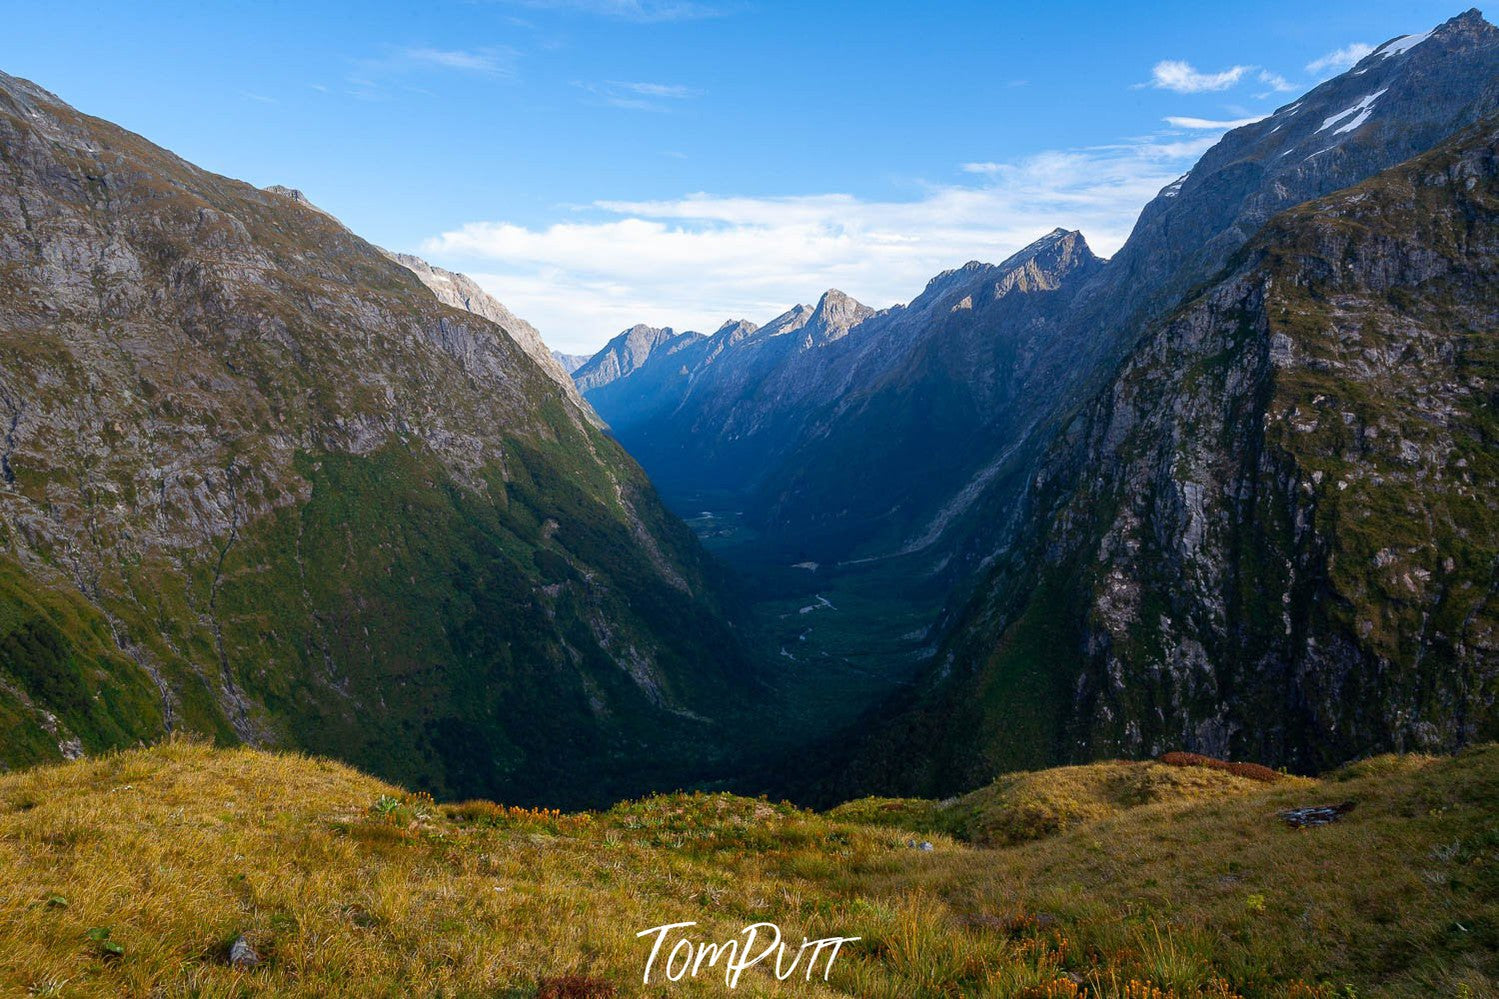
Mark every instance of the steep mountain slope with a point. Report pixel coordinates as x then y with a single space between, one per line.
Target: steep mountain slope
991 385
1404 98
1275 533
462 292
257 482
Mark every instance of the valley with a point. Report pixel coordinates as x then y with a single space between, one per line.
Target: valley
1087 626
949 465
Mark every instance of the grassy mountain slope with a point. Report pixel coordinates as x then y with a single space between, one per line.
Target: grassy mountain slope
257 482
132 874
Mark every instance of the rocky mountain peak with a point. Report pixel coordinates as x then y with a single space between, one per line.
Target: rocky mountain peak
733 331
625 353
835 314
296 195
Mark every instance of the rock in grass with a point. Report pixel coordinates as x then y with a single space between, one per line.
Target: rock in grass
242 956
1315 815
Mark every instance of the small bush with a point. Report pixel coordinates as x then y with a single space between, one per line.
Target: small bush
1253 771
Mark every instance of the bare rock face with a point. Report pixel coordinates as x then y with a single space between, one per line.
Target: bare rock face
462 292
570 362
257 481
628 352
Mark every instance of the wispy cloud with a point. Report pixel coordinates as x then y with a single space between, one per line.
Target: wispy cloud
486 61
1211 124
691 262
1339 59
1278 84
258 98
642 11
639 96
1180 76
368 77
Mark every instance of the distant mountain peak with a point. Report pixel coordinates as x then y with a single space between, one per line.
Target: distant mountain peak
734 330
625 353
835 314
1041 263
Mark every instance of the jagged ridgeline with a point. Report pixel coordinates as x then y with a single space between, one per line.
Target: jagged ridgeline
259 483
1256 525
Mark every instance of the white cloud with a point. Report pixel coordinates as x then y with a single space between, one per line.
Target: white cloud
370 77
1209 123
488 61
1339 59
656 89
1278 84
1178 75
639 96
694 261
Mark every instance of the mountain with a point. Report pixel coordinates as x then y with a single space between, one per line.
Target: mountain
462 292
625 354
699 403
570 362
1272 533
912 450
831 457
761 417
997 386
258 482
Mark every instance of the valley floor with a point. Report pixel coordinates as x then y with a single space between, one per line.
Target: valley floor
832 641
132 874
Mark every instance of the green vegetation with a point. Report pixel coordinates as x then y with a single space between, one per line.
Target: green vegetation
56 651
134 872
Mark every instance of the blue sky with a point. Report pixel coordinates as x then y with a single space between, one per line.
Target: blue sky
596 163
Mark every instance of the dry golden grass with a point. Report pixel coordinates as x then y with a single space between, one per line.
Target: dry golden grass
1031 805
349 887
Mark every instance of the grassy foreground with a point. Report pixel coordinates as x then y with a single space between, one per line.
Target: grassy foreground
131 874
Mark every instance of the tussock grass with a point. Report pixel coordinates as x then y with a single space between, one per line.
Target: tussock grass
1030 805
131 874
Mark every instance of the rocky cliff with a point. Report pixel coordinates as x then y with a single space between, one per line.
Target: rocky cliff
626 353
463 292
1274 534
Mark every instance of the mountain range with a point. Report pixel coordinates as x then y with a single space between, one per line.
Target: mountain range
1091 459
1231 490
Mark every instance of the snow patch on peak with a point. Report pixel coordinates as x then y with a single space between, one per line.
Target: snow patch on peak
1402 44
1361 110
